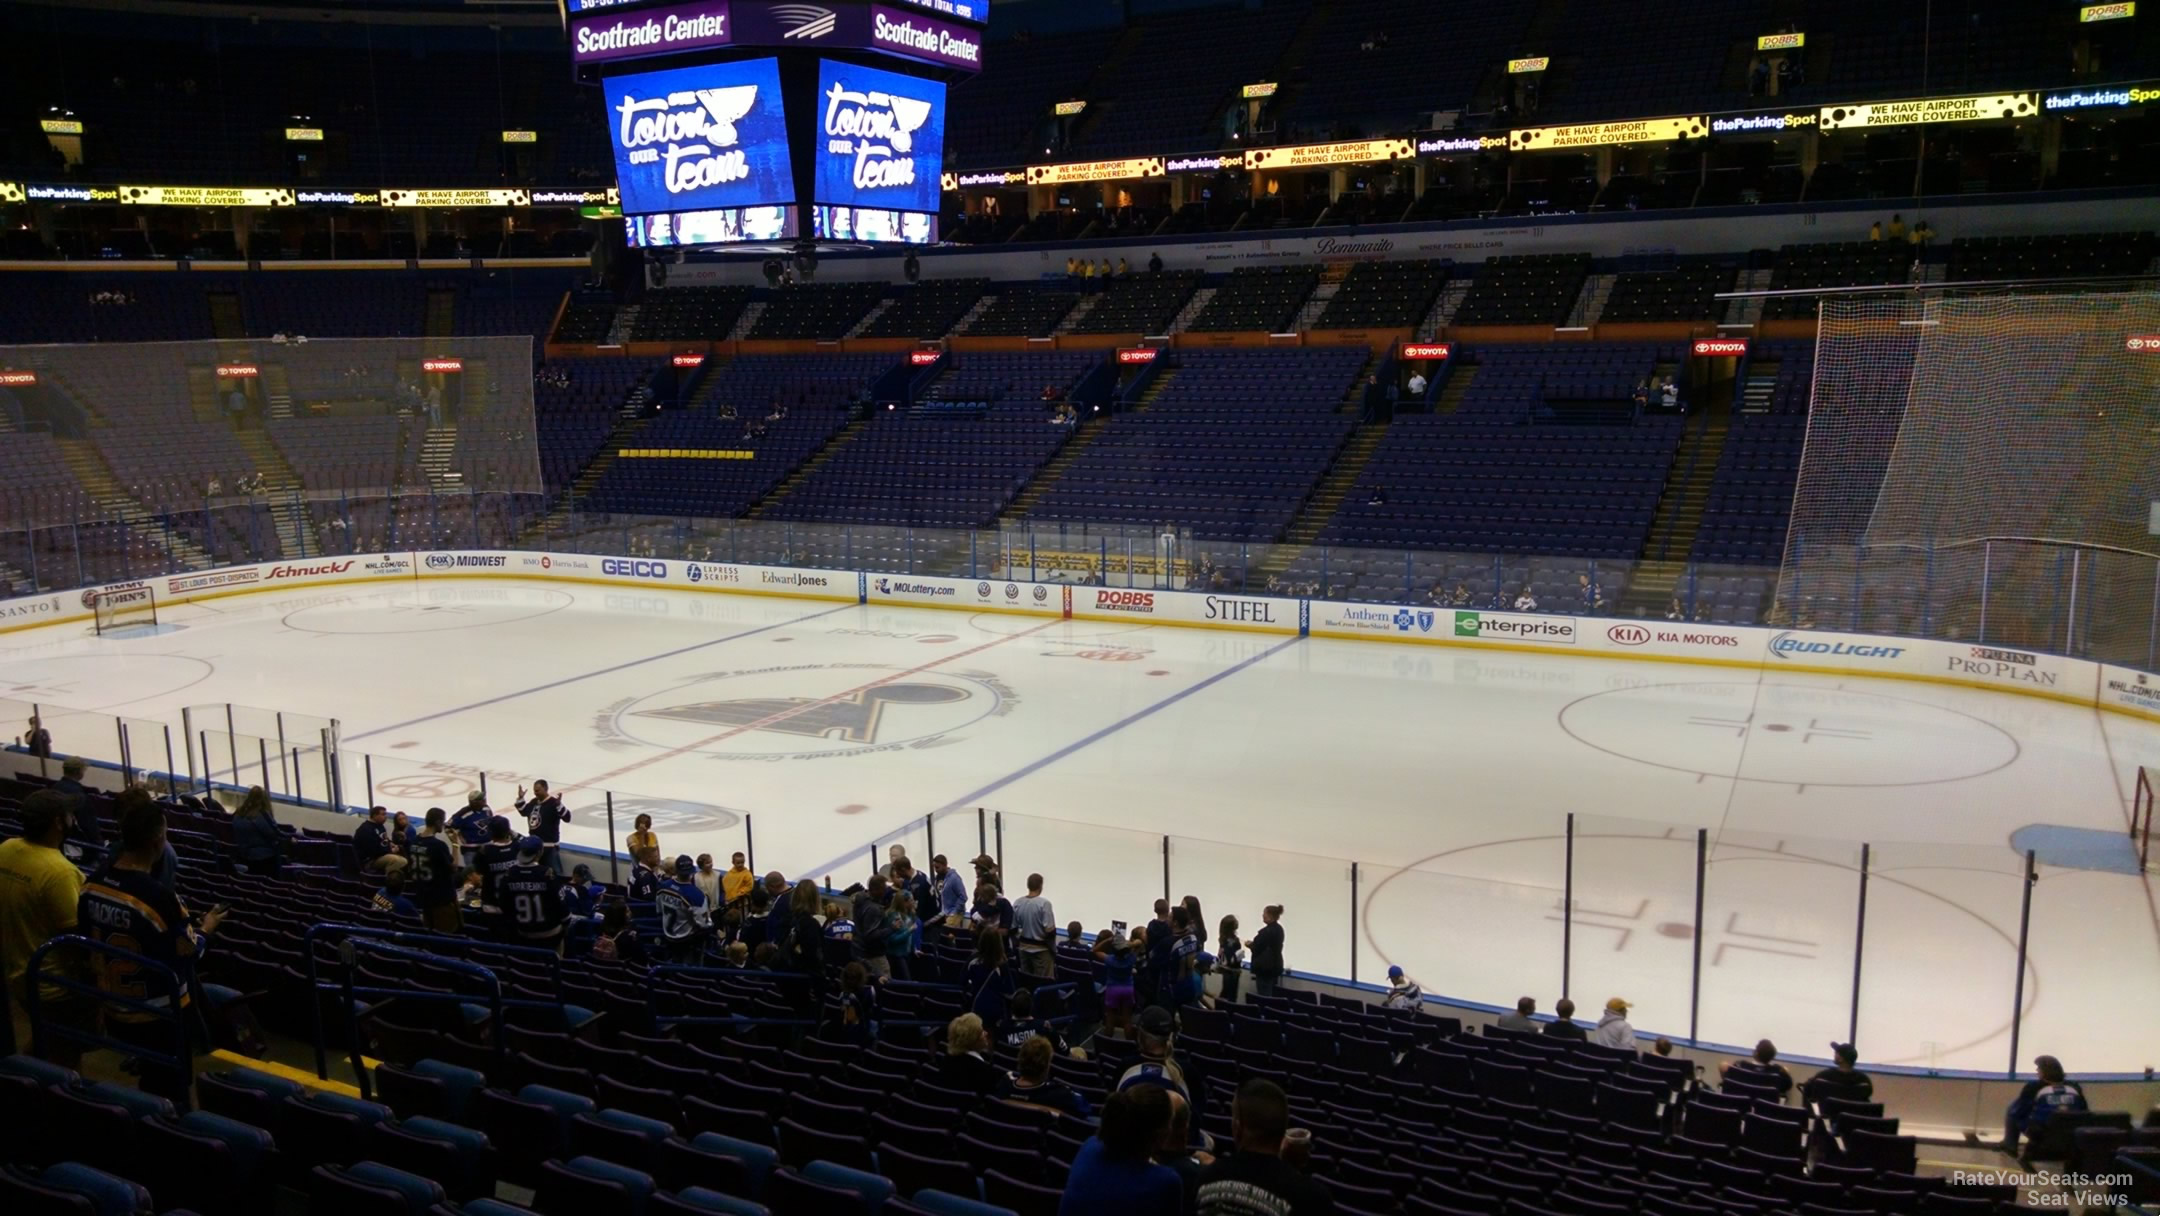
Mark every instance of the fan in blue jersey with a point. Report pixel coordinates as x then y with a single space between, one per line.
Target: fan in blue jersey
125 908
474 820
685 917
581 895
645 876
531 893
494 857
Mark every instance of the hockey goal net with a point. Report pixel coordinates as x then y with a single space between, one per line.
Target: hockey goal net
125 608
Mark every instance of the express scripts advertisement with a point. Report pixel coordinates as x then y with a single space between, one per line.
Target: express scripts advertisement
701 138
881 138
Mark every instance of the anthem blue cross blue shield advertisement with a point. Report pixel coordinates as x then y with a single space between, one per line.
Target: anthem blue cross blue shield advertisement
701 138
881 138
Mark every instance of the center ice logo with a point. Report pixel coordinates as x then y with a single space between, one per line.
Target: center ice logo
854 718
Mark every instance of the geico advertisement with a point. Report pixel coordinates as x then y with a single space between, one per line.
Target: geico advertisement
881 138
692 139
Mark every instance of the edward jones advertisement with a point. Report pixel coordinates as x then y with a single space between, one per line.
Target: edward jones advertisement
700 138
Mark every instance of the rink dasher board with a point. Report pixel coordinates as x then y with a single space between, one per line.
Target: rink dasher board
1972 665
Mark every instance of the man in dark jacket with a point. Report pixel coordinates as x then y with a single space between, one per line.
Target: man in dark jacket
544 816
1267 947
371 840
1564 1025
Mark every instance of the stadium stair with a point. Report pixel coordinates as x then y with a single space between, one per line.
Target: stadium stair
1078 314
747 322
295 529
82 459
870 318
1192 310
441 317
1047 476
1458 383
626 429
438 457
1443 309
802 472
227 318
1326 498
1759 394
1679 516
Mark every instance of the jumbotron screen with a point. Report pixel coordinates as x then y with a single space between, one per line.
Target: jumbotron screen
881 139
698 139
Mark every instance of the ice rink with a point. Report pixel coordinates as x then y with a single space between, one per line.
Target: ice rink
1422 792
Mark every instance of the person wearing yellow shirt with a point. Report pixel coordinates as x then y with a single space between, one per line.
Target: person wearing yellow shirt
736 883
39 888
642 837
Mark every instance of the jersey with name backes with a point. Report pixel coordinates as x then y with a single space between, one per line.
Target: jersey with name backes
127 910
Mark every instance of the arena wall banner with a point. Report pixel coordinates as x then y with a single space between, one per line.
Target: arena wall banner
839 585
1249 613
2128 691
974 595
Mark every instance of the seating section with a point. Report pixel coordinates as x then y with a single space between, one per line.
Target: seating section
1839 264
1686 293
734 416
2051 257
1263 298
687 314
1385 295
1024 313
1141 304
587 318
954 460
997 116
576 404
1750 501
823 311
1351 90
1233 445
1516 384
928 309
1466 484
1180 71
1526 289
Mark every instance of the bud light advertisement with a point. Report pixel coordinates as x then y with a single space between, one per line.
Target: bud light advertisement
702 138
881 139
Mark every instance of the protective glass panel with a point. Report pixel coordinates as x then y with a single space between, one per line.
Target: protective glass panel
1091 874
1939 968
1779 915
1314 892
1635 934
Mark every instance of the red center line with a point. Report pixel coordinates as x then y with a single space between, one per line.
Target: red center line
805 707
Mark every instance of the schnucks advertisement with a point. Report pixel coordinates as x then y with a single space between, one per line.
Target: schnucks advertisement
701 138
881 138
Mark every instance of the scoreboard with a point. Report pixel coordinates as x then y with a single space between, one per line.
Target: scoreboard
750 120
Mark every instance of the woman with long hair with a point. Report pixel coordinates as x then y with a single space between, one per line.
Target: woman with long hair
258 845
642 836
990 981
802 947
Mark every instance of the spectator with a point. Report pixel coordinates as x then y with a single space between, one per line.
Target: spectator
858 1006
1103 271
1896 230
966 1064
1563 1025
495 857
990 909
1124 269
125 905
1874 232
1670 391
1641 397
1521 1020
839 930
1463 598
802 946
85 824
898 853
1526 599
1034 930
1841 1080
685 917
1663 1047
736 883
1118 992
1761 1068
1021 1024
1267 951
581 896
1417 385
258 846
777 912
1114 1170
1229 958
2050 1094
434 875
371 840
1177 1152
645 878
1923 234
1591 594
1613 1029
618 941
1032 1085
1154 263
642 836
986 871
900 926
391 897
1156 1065
990 981
708 881
531 892
1182 984
1674 612
1255 1178
1403 992
952 896
37 740
544 817
38 890
474 820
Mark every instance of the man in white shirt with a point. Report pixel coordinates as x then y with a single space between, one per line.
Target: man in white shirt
1034 930
1417 384
1403 992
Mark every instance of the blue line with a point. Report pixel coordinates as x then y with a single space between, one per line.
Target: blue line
1087 741
651 658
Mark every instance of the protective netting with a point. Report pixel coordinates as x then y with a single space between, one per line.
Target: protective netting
166 427
1981 466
